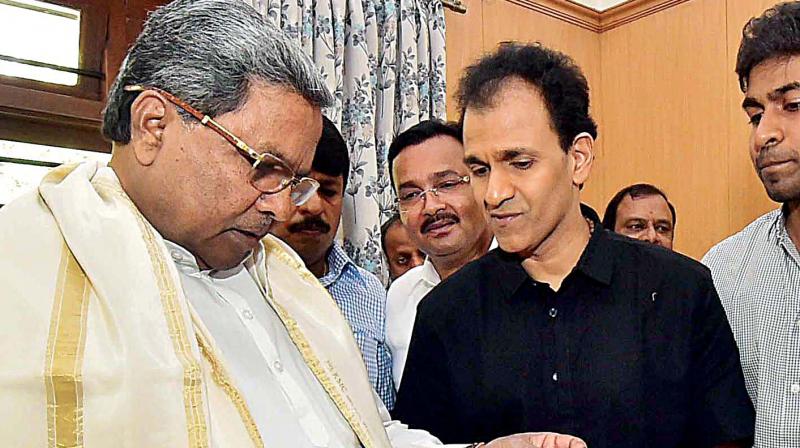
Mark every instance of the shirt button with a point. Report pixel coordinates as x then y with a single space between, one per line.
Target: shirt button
555 376
553 312
247 314
278 366
795 388
177 256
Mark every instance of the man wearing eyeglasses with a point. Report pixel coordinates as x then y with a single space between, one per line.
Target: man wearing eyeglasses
441 216
143 304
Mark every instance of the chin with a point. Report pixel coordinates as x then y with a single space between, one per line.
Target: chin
229 261
781 194
510 244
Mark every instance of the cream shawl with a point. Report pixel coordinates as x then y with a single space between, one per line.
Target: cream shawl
99 347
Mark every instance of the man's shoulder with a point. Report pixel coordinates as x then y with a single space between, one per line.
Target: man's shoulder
405 283
465 286
370 281
737 245
643 256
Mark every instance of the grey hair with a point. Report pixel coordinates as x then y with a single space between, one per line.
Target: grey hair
207 52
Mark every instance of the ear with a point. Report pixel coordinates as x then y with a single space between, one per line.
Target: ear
150 114
582 154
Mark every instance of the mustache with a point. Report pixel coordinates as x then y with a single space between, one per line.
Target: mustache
259 229
770 156
313 223
441 215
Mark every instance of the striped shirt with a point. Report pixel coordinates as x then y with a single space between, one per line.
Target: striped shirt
757 275
362 299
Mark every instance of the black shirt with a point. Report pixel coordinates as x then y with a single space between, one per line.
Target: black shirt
634 350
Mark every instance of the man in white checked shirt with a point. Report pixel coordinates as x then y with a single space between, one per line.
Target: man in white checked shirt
757 271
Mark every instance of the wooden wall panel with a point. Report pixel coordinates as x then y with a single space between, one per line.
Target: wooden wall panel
665 96
664 102
747 196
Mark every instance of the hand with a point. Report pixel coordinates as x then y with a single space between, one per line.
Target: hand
537 440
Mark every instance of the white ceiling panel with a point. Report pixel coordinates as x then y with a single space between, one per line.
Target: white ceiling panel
600 5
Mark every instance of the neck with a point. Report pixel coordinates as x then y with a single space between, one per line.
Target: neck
792 217
558 254
449 264
319 267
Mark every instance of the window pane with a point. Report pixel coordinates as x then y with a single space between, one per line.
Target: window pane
17 178
41 32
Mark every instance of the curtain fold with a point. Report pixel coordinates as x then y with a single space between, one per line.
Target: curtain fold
385 63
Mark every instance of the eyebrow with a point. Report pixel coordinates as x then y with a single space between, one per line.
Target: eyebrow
328 183
473 160
505 156
771 96
443 174
409 184
511 154
780 91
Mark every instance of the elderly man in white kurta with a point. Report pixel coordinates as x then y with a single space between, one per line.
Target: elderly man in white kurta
144 305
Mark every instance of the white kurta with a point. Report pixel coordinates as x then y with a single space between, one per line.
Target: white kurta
288 404
108 341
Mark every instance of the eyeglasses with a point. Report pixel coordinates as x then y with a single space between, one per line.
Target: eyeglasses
269 174
412 198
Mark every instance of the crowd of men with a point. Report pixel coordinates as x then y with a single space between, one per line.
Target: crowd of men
193 293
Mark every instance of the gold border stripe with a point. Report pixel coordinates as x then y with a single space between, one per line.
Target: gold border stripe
221 378
304 347
65 349
192 375
197 430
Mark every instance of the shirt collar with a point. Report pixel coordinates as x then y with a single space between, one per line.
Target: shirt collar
778 228
187 262
337 263
429 274
596 262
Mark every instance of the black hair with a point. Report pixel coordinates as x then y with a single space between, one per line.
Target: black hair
635 191
332 157
560 82
419 133
776 33
394 219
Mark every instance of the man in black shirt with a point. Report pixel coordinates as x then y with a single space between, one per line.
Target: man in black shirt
566 327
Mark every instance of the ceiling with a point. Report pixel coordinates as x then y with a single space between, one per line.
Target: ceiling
599 5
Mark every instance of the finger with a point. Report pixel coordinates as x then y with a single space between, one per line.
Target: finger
576 443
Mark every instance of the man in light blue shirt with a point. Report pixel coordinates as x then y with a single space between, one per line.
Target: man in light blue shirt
359 294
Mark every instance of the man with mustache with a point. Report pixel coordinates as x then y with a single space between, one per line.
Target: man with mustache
567 326
757 271
441 217
311 232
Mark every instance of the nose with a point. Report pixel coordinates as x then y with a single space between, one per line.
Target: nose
279 204
769 131
650 235
498 190
313 206
417 259
432 203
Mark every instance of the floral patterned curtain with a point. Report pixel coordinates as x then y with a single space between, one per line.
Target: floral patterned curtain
385 62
